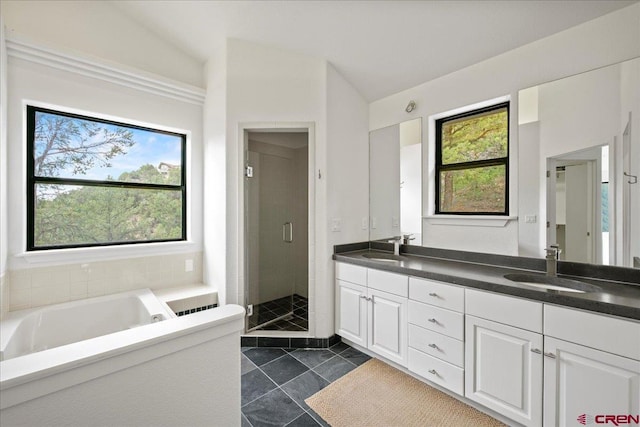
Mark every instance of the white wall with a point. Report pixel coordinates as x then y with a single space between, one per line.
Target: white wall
271 87
99 29
609 39
215 175
4 286
347 172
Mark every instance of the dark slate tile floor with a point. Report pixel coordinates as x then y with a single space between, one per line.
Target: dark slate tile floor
276 381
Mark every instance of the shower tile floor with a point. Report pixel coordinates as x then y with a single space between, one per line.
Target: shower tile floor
276 381
270 310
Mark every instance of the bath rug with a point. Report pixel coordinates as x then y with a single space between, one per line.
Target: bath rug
376 394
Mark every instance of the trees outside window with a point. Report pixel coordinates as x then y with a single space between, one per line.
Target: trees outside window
94 182
472 162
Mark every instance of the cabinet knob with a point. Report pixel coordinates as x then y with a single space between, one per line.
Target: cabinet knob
433 371
550 355
432 320
434 346
433 294
536 351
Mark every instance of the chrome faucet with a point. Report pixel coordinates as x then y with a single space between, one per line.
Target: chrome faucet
396 244
406 238
552 259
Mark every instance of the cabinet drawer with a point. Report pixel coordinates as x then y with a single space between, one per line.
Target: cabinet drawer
437 293
351 273
434 344
437 371
610 334
397 284
502 309
437 319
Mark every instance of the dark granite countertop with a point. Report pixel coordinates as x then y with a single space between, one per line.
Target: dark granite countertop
485 272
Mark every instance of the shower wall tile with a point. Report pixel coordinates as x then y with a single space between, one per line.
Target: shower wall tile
50 285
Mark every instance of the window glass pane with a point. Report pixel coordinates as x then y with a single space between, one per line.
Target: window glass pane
74 215
473 190
71 147
480 137
604 204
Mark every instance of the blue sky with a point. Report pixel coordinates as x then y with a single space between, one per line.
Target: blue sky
149 148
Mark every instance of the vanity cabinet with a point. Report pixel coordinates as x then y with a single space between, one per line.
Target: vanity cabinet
597 374
372 310
436 332
503 363
532 362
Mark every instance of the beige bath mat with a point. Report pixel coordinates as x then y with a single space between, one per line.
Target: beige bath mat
376 394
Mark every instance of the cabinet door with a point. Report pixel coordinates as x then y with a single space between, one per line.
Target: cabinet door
388 326
591 384
503 369
352 318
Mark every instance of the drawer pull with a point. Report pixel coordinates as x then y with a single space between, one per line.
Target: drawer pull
536 351
433 294
433 371
432 320
434 346
550 355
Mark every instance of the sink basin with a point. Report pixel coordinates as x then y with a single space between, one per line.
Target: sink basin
382 257
552 283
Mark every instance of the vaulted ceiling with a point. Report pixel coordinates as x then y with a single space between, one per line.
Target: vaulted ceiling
380 47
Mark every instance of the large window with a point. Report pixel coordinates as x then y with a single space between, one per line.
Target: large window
93 182
472 162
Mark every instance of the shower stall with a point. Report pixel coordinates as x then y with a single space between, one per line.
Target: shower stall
276 221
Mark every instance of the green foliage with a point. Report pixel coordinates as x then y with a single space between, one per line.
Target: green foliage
88 215
476 138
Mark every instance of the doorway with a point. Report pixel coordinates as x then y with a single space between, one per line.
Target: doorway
276 230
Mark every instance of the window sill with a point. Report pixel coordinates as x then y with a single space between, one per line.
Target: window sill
103 253
470 220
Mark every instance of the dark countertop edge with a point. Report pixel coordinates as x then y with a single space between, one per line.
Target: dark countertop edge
544 297
566 268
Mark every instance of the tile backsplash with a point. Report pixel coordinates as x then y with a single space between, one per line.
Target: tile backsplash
50 285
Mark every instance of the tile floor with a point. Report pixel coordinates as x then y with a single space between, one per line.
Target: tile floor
276 381
270 310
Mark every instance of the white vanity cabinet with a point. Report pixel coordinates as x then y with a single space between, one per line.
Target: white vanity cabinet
436 332
503 355
595 375
372 310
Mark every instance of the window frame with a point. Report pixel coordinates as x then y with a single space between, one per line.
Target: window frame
33 180
500 161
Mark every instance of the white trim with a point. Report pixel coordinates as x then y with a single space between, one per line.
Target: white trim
99 253
109 72
474 221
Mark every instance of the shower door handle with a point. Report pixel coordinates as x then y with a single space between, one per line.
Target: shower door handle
287 237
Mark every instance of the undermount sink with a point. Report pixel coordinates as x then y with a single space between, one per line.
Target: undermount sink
552 283
382 257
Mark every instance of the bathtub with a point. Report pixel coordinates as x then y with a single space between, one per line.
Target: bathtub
123 360
32 330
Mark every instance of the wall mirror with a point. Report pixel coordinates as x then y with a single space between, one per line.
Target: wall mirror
395 180
588 136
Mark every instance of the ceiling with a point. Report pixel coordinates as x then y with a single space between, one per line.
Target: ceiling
380 47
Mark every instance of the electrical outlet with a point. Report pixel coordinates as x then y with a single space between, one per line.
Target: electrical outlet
374 222
188 265
395 221
365 223
336 224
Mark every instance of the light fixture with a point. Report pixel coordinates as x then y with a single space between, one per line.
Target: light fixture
411 106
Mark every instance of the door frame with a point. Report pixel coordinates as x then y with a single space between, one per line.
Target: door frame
243 141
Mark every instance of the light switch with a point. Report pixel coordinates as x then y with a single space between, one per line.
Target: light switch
188 265
365 222
395 221
374 222
530 219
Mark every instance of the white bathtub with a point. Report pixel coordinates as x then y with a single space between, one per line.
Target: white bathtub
28 331
180 371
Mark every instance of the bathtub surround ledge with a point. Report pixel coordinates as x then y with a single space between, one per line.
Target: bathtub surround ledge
74 384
